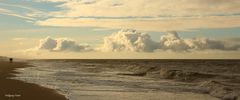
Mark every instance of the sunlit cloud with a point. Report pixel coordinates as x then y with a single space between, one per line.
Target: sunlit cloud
59 44
20 11
149 15
75 8
10 13
156 24
18 39
129 40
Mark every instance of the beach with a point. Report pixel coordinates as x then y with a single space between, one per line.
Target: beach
18 90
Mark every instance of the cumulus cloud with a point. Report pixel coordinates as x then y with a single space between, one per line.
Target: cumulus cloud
61 44
171 41
134 41
131 40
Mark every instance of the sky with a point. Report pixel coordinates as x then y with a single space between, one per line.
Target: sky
120 29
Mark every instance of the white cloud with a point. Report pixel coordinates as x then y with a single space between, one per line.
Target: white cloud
22 11
155 24
14 14
173 42
3 10
60 44
151 15
129 40
18 39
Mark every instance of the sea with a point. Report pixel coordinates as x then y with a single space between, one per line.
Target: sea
136 79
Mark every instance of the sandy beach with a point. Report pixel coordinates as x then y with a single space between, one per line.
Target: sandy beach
17 90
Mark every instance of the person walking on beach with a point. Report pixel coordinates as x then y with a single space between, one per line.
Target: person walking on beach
10 60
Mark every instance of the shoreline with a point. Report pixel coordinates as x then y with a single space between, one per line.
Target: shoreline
11 89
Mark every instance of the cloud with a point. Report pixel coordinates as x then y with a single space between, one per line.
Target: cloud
18 39
14 14
173 42
76 8
61 44
155 15
131 40
152 24
22 11
3 10
232 43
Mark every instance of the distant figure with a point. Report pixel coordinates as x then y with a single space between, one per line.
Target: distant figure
11 60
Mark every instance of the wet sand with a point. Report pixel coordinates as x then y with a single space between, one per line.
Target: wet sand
17 90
